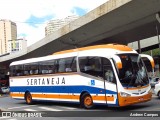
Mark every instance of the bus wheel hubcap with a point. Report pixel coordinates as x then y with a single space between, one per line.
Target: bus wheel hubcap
28 98
88 101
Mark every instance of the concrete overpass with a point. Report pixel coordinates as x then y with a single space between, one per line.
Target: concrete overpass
116 21
146 44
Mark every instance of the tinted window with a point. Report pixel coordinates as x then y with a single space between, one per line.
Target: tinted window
97 66
31 69
45 67
67 64
48 67
91 65
17 70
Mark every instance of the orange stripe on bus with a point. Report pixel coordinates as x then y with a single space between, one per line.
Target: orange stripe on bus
56 96
103 98
112 46
75 97
16 95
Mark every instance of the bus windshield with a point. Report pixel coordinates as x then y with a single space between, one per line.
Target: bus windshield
133 72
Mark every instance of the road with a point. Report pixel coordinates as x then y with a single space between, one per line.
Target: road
63 109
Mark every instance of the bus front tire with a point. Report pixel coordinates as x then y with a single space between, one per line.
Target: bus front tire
86 101
28 98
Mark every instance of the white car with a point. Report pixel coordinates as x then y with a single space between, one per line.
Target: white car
157 89
154 81
4 90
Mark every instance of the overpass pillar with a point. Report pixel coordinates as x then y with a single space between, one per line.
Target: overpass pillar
157 27
158 36
139 47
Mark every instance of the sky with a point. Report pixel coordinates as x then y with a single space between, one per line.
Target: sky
31 16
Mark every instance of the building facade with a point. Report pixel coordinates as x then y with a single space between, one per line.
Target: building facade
8 31
56 24
17 45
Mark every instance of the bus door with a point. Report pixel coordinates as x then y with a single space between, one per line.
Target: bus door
110 86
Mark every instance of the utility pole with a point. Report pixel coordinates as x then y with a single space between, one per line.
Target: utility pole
157 30
157 26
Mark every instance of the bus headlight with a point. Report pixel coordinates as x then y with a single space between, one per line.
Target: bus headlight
123 94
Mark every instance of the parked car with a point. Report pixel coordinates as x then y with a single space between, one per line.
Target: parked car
154 81
157 89
4 90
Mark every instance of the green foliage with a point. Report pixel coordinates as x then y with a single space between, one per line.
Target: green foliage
155 52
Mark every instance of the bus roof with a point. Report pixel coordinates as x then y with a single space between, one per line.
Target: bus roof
64 53
111 46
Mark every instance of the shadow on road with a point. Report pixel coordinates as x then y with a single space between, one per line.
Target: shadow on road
140 106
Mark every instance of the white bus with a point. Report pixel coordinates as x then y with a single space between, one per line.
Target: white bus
111 74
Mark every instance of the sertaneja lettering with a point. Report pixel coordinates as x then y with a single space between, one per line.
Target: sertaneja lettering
35 81
48 79
63 81
52 81
57 82
45 81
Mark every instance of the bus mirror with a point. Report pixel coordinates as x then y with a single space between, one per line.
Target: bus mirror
117 61
148 57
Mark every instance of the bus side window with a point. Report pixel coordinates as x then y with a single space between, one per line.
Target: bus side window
26 69
70 64
67 65
91 65
19 70
26 72
12 70
47 67
61 65
31 69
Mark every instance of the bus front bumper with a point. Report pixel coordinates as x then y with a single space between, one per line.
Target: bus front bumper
125 101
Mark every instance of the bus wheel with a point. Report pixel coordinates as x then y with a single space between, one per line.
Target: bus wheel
86 101
28 98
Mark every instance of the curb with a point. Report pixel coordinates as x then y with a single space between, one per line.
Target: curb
2 109
3 95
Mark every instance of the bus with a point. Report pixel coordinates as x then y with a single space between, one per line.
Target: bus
109 74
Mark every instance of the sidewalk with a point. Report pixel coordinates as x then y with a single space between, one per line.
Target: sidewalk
4 95
1 96
1 110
